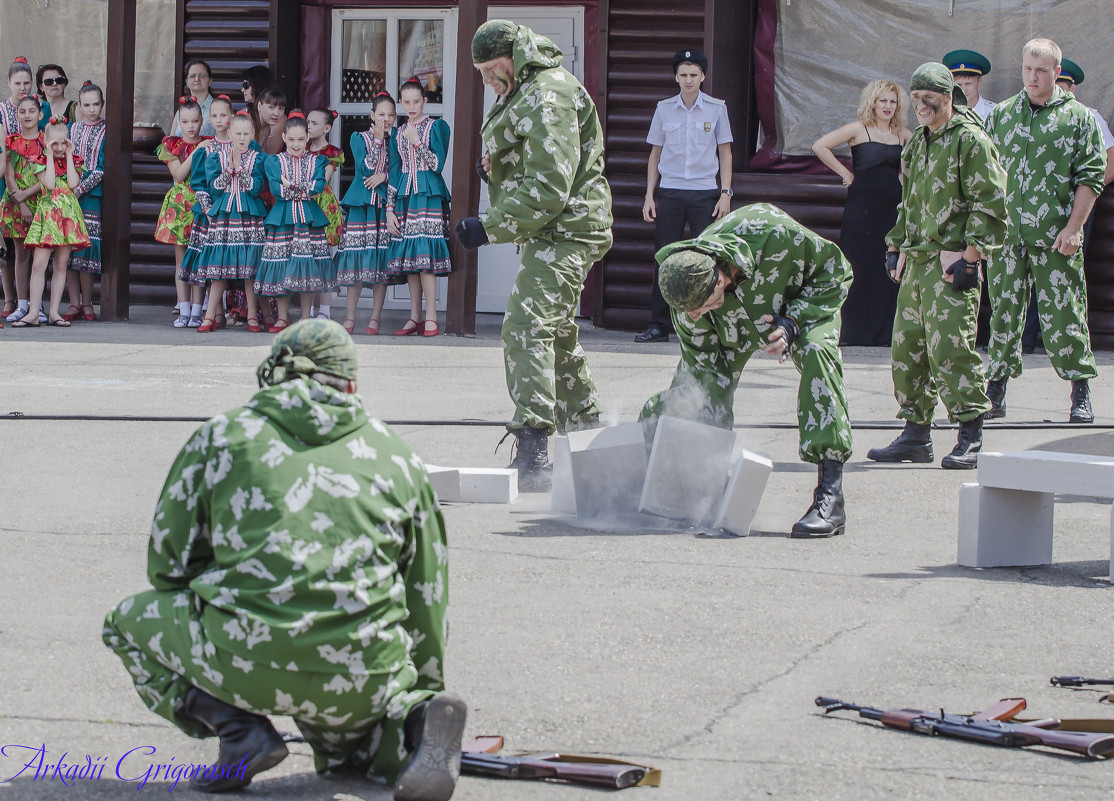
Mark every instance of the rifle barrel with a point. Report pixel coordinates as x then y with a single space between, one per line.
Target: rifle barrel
1078 681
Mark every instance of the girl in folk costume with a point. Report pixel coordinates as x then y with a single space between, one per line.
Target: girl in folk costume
87 135
296 256
234 240
20 82
320 123
220 116
58 225
21 196
418 208
361 258
176 217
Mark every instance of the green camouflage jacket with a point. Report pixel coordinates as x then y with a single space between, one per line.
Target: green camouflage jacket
303 529
953 190
546 148
1047 153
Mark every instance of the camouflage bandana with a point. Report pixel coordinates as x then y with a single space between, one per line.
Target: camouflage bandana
935 77
308 347
494 39
687 278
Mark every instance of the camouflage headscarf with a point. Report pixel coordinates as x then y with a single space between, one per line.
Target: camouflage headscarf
308 347
494 39
686 279
935 77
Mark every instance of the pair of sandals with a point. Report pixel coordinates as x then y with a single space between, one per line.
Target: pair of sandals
78 312
408 330
372 329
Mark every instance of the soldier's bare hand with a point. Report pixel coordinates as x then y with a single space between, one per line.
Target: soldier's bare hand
1067 243
485 162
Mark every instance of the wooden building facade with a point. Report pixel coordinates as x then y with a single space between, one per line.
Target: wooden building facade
624 59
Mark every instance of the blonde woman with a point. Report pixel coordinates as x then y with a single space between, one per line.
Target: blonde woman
873 194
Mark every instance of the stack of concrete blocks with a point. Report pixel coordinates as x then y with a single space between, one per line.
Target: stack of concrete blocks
598 473
474 484
688 469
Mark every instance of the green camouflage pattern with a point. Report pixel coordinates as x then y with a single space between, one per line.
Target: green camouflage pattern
299 567
933 76
788 270
686 279
494 39
547 369
1047 155
546 147
308 347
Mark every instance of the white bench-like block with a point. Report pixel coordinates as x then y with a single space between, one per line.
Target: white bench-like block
474 484
1003 527
743 493
446 482
1048 471
687 471
606 471
562 494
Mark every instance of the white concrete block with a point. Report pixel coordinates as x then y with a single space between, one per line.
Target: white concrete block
488 484
744 491
607 468
562 495
687 471
1112 544
1048 471
1004 528
446 482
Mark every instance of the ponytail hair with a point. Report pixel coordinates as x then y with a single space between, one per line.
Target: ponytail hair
295 120
19 65
330 114
382 97
223 99
33 98
88 87
412 83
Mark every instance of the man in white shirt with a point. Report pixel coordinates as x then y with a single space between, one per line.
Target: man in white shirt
1070 77
690 138
968 69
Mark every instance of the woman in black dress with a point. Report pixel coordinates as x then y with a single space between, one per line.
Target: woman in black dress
873 194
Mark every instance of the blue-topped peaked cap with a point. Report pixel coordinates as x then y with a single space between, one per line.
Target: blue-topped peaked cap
1071 71
966 62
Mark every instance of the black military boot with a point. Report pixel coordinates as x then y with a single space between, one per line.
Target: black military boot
913 445
249 743
531 459
432 733
996 391
1081 411
965 454
826 517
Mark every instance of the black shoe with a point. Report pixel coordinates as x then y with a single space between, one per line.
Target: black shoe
996 391
433 731
913 445
1081 411
249 743
826 516
655 333
531 459
965 454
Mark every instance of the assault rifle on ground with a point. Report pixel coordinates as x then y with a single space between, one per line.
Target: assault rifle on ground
991 727
478 759
1079 681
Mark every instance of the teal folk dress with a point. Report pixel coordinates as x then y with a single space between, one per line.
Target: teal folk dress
88 141
234 239
420 199
202 205
361 258
296 253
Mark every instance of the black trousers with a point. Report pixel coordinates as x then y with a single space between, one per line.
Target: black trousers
675 208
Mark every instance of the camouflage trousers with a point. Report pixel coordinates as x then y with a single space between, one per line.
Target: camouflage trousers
547 370
933 346
823 422
1061 309
353 722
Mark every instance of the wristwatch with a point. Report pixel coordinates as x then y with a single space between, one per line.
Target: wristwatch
728 192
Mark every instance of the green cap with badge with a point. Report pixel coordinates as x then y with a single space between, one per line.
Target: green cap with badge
1070 71
935 77
687 278
966 62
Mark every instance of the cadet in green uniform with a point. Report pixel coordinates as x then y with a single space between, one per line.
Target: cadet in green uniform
298 560
1054 156
544 164
756 278
952 214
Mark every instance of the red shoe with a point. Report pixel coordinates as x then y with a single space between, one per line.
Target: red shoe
348 325
406 330
426 332
254 327
279 325
88 315
206 326
220 322
72 314
372 329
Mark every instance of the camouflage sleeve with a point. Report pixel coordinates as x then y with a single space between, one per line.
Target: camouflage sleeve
179 549
551 156
983 184
826 281
1088 168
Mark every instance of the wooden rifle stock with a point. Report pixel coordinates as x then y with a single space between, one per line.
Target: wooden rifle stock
550 766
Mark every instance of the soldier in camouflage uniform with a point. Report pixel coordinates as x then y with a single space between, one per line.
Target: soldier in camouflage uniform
298 560
1053 153
758 279
544 165
952 215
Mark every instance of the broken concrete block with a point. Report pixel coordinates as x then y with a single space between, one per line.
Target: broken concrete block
562 494
1048 471
1004 527
604 468
687 470
488 484
446 482
743 493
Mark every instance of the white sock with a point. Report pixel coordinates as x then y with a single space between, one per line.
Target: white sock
325 313
184 308
195 310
